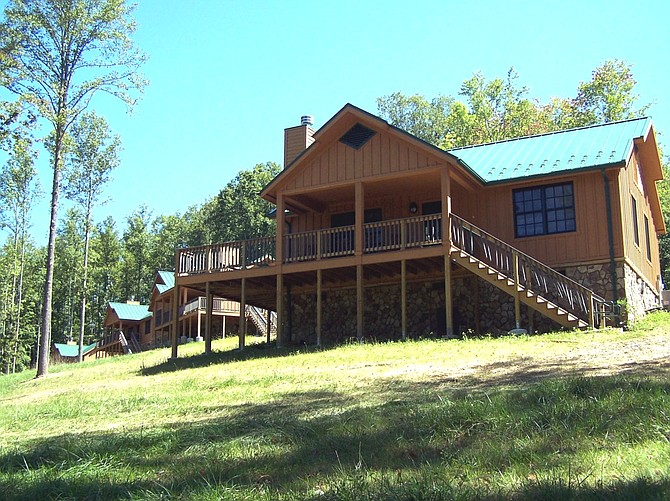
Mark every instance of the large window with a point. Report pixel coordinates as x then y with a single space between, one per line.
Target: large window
544 210
646 237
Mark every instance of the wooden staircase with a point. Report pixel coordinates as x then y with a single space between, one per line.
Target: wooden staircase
255 315
524 278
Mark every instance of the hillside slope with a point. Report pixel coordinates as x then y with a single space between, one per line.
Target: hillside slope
571 415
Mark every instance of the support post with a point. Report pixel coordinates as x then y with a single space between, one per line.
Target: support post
243 313
403 299
223 326
208 319
448 308
280 309
279 243
592 316
517 291
268 325
359 218
175 320
318 307
359 301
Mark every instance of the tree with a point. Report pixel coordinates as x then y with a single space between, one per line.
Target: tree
607 97
57 55
18 191
238 212
420 117
137 244
94 153
105 270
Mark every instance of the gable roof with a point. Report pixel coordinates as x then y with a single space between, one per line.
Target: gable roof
596 146
72 350
349 115
164 281
132 312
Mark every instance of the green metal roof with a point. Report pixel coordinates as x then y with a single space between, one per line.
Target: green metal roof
127 311
72 350
555 152
168 281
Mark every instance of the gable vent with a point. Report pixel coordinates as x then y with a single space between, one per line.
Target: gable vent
357 136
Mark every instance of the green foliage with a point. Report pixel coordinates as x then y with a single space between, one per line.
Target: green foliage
237 212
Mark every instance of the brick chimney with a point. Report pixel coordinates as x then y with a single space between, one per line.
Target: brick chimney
297 139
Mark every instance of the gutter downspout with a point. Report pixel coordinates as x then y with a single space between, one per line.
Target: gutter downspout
610 236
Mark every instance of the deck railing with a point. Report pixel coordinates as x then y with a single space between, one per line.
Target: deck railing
219 305
226 256
528 272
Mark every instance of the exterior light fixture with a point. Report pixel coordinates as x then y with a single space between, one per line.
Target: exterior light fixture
413 208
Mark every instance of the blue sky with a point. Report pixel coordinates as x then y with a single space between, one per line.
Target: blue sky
226 77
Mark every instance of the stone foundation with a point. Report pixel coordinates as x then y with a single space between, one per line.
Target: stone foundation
479 308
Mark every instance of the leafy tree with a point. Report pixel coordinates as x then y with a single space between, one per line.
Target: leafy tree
428 120
67 275
105 271
238 212
94 153
137 268
57 55
18 191
607 97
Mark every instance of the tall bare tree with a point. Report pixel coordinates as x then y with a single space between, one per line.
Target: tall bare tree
57 55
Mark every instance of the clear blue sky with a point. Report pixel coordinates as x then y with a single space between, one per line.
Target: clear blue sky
226 77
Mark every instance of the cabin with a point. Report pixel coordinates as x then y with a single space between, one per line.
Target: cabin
192 318
381 235
132 327
69 352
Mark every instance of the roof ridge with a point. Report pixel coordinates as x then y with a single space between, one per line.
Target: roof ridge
550 133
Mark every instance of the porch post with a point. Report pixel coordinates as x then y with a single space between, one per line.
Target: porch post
359 301
279 243
517 292
243 313
199 331
268 326
208 318
403 298
318 307
223 326
175 320
445 188
280 308
359 218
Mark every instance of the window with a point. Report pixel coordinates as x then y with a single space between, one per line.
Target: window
636 229
544 210
646 237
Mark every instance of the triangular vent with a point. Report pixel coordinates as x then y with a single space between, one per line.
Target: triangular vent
357 136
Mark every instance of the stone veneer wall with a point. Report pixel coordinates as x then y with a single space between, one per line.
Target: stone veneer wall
636 292
426 310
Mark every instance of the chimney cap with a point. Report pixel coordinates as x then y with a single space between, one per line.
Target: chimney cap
307 120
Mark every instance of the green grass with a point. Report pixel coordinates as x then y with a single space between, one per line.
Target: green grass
482 419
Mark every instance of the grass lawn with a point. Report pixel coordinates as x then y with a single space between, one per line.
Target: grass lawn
566 416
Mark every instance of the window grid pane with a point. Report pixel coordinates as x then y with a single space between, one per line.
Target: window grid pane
544 210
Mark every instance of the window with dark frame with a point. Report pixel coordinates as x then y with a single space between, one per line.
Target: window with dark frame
544 210
636 228
646 237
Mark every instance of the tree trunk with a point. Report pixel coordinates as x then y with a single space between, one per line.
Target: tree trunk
82 316
45 336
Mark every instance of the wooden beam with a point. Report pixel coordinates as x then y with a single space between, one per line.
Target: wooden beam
403 299
208 319
280 309
268 324
318 307
359 301
279 243
360 218
243 313
448 304
445 189
175 320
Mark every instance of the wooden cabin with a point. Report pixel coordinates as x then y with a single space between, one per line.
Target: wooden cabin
192 307
382 235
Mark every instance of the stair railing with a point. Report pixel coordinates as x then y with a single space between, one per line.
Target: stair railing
528 272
